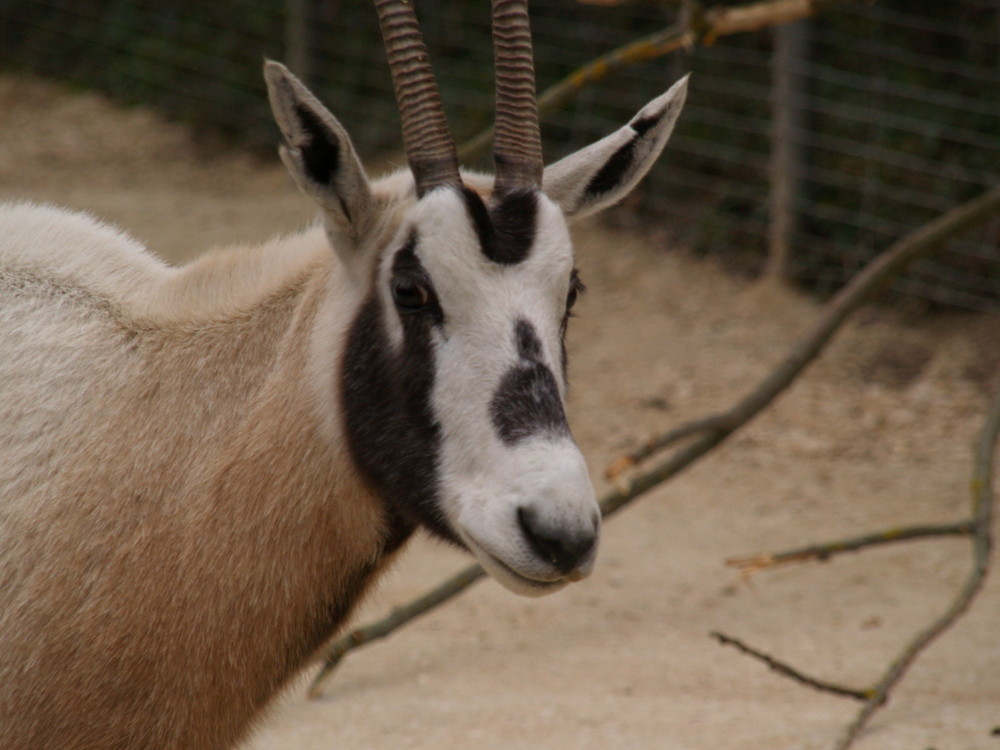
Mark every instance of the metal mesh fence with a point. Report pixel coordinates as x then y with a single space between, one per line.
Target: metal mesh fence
873 118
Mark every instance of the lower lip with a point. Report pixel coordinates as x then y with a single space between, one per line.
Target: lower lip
576 575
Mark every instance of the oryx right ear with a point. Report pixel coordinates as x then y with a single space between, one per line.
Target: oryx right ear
603 173
322 160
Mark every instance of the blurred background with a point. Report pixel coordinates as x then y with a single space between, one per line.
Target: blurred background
826 140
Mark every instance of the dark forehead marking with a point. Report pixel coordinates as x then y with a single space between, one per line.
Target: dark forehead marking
506 230
321 153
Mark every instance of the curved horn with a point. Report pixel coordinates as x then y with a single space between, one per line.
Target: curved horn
430 149
517 143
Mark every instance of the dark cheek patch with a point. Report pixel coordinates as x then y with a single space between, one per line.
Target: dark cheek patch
527 402
391 429
321 155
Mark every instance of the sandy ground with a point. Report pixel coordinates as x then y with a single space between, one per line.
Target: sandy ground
877 434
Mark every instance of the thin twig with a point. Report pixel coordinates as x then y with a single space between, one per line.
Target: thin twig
788 671
982 512
753 563
864 285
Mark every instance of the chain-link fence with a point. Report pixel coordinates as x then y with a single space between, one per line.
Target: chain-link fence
832 138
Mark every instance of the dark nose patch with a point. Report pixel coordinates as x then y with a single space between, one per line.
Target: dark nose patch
527 401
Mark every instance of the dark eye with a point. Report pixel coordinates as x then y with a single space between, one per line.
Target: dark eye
410 296
571 298
576 287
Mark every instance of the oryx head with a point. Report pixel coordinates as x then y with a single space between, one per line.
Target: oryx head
453 374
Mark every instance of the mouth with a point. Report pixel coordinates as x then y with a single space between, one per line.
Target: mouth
512 579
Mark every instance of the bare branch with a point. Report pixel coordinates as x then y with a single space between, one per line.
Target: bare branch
982 512
753 563
788 671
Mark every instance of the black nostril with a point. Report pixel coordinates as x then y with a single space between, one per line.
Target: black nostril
564 550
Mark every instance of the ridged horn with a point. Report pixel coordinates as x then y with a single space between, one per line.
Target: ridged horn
517 143
430 149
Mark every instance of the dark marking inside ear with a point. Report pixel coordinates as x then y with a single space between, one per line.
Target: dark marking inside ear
527 402
391 429
641 125
321 152
617 169
506 231
614 171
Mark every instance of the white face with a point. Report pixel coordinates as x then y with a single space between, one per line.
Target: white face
479 298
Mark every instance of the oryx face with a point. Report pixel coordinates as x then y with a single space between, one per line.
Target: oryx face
453 374
455 385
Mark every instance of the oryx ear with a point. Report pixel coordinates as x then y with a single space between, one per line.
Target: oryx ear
603 173
322 160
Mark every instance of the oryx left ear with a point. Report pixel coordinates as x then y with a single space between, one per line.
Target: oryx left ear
322 161
603 173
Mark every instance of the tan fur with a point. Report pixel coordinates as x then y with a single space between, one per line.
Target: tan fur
180 527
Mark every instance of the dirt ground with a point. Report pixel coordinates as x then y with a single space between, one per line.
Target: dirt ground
878 433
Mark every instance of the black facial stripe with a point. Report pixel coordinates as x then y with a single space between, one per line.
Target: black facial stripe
527 401
506 231
391 430
321 155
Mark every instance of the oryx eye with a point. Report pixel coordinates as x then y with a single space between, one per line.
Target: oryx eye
410 296
576 287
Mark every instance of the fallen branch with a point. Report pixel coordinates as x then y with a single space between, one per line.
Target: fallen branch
755 563
978 526
791 672
877 274
982 514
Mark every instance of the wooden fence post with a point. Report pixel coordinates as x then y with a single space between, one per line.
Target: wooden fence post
788 122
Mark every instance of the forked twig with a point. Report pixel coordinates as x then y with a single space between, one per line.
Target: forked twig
982 543
978 526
